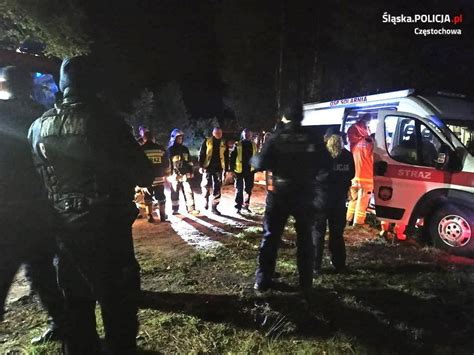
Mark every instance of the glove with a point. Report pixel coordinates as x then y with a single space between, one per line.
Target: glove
202 170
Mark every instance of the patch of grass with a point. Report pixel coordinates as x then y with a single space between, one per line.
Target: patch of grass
394 298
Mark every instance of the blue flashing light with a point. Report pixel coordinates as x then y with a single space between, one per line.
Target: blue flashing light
38 75
436 120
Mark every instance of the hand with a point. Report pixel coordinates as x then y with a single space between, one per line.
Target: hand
202 170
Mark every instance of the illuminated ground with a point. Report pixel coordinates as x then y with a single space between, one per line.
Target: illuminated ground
197 273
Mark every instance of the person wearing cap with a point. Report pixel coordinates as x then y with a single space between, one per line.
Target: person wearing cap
213 161
181 172
240 157
158 156
90 178
362 147
299 164
25 215
342 171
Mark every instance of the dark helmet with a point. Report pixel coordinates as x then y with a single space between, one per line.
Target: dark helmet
18 82
174 134
80 74
294 112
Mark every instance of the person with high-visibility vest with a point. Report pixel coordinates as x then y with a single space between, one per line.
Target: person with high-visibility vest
213 161
240 157
362 147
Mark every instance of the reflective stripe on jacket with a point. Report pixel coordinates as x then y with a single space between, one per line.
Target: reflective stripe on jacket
238 159
362 149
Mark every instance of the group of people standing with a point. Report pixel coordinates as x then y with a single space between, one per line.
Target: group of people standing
76 185
303 172
174 164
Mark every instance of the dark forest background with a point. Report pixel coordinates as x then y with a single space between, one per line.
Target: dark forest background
241 61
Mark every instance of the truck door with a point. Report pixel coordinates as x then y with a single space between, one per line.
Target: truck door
405 153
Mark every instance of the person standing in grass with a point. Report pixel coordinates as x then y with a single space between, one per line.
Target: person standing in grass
334 214
244 172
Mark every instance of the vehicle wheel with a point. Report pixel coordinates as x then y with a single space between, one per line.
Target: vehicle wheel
452 228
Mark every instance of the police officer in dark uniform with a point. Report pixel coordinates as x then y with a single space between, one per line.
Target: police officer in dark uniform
90 179
182 172
299 166
25 215
340 175
158 156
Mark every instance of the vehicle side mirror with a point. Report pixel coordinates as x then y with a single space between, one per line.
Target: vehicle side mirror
448 159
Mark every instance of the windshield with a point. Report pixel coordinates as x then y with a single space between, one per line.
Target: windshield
465 133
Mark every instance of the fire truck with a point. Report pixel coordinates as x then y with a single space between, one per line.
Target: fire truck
423 160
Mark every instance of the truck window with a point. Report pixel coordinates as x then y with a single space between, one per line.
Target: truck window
465 134
410 141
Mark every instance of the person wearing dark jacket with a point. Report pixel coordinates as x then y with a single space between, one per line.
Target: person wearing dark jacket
25 215
213 161
182 172
158 156
90 178
341 173
240 157
299 164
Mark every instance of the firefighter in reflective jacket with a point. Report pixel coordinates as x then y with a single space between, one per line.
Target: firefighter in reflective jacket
300 168
240 157
334 214
362 146
182 171
158 156
213 161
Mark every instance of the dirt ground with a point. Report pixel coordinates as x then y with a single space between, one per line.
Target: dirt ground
197 277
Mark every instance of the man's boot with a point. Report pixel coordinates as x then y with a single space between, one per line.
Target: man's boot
149 212
52 333
215 210
163 215
192 210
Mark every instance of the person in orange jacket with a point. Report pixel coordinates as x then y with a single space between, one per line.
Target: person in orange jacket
361 146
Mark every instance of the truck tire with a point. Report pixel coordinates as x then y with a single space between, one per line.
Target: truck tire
452 229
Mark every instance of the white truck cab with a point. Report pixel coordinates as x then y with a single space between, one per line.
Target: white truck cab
423 160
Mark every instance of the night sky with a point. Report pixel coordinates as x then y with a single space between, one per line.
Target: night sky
218 49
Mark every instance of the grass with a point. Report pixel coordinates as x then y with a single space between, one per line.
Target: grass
395 298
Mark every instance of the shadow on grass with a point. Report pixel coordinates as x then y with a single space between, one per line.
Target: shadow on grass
383 320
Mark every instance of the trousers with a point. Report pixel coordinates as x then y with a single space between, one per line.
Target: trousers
97 264
243 182
278 208
212 183
333 216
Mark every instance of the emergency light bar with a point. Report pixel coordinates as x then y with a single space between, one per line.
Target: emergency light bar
359 99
